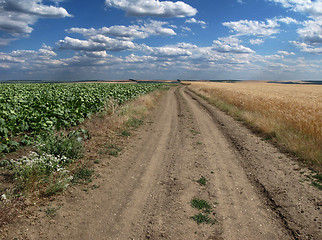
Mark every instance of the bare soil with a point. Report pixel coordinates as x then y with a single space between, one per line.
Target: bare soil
256 191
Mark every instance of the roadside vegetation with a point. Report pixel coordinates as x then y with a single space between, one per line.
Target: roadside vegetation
290 115
63 150
28 110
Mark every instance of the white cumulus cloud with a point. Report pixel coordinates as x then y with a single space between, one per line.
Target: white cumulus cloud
287 20
230 45
167 51
153 8
257 41
193 20
258 28
311 33
96 43
307 48
139 31
17 16
312 7
34 7
253 28
285 53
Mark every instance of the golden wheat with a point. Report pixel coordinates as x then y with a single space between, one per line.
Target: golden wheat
292 112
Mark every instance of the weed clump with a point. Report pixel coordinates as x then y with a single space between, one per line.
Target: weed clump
204 211
316 180
202 181
134 122
203 218
69 146
46 171
112 150
200 204
83 175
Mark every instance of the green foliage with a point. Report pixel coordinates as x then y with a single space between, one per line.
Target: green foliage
56 183
316 181
203 218
134 122
200 204
33 113
125 133
35 169
69 146
202 181
51 211
112 150
204 211
7 146
39 108
82 175
26 140
318 177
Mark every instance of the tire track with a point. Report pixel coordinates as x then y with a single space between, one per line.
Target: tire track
244 215
277 177
167 211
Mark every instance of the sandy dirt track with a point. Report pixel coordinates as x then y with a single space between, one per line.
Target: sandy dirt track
145 193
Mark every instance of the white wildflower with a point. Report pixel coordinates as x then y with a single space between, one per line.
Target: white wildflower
3 197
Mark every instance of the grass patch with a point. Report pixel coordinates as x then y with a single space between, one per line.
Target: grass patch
95 186
202 181
69 145
52 211
204 209
56 184
83 175
318 177
45 172
125 133
316 180
134 122
317 184
201 204
203 218
194 132
113 150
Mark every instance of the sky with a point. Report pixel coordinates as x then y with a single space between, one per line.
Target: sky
153 39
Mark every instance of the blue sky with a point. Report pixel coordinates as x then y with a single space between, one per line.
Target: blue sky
152 39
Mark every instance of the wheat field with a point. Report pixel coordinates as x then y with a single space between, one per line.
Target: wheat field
292 113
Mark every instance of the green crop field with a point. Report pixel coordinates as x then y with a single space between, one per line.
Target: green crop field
27 110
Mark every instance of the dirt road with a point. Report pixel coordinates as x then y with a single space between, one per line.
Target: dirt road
255 191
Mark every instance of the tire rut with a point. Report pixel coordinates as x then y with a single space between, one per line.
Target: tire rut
167 211
243 213
277 178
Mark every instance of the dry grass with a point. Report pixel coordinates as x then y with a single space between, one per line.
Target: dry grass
292 114
105 127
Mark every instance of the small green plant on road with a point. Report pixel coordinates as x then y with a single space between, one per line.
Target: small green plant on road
204 211
202 181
